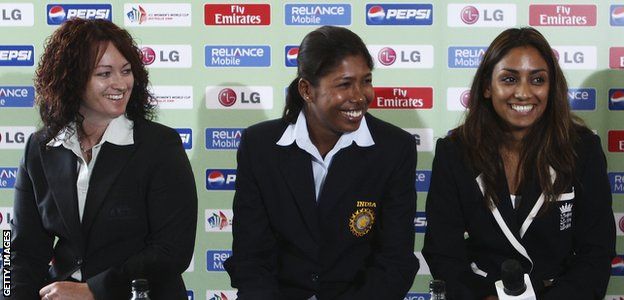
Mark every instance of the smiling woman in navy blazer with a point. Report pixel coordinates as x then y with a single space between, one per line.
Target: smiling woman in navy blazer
521 179
325 197
103 195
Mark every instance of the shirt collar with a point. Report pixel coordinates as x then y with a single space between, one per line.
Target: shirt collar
119 132
298 133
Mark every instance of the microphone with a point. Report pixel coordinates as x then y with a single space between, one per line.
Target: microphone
514 283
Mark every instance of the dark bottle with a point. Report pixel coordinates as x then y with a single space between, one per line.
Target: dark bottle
140 290
437 289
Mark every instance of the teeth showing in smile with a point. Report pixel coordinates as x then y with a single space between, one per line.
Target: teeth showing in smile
353 113
115 97
522 108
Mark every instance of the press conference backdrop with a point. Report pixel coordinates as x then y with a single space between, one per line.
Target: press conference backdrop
217 67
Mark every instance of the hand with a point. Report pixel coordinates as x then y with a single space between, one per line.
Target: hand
66 290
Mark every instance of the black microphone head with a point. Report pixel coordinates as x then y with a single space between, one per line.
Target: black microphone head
437 286
512 276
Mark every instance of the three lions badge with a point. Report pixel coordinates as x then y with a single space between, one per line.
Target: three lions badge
363 218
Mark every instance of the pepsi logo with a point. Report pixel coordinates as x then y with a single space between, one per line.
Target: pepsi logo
376 14
227 97
387 56
291 55
616 99
617 96
216 178
148 56
617 16
56 13
464 98
617 265
470 15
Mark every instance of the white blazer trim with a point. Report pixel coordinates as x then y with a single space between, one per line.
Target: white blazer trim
503 226
475 269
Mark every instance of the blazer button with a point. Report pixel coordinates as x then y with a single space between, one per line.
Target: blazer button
314 277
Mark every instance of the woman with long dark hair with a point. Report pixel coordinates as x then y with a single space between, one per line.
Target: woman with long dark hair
325 197
103 194
522 178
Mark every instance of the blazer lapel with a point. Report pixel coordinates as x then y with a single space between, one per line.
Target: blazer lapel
346 167
59 165
297 171
110 161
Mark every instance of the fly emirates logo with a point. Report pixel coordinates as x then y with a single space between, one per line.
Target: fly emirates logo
237 14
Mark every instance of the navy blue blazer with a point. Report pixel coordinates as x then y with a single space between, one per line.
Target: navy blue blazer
566 250
139 219
357 243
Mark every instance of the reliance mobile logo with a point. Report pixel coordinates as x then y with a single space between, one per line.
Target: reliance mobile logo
291 52
417 296
220 179
562 15
403 98
617 15
423 180
223 138
617 266
215 259
186 135
616 99
616 57
17 55
457 98
14 137
17 96
616 140
465 57
219 220
424 139
617 182
420 222
239 97
399 14
481 15
238 56
582 98
7 177
17 14
402 56
237 14
59 13
190 295
317 14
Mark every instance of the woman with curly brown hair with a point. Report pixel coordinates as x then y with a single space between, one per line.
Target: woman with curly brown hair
103 194
521 179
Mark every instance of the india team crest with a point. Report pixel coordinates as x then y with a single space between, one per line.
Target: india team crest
361 221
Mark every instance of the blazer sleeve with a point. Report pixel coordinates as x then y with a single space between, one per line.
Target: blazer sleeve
252 266
444 247
394 265
31 246
594 232
172 215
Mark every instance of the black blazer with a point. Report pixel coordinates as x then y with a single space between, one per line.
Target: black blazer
139 219
570 245
288 247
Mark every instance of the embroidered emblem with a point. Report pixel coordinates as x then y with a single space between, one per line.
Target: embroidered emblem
565 219
361 221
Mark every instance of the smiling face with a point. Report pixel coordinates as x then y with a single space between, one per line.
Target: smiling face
108 89
339 101
519 89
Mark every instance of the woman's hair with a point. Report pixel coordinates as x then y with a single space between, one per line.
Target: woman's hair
320 53
548 143
70 56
